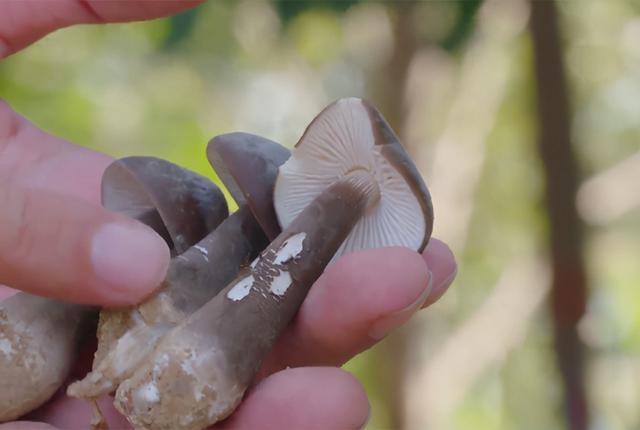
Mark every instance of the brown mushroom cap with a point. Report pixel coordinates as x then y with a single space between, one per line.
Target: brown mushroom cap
248 166
180 205
351 136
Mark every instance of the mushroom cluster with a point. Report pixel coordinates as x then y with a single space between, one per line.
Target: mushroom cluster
184 358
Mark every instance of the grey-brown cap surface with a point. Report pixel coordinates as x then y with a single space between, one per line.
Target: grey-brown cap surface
248 166
179 204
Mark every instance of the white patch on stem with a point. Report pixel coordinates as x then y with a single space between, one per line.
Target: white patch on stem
198 394
160 364
149 393
280 284
290 249
6 347
241 289
203 250
254 263
187 364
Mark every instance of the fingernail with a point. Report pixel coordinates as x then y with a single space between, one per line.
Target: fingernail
440 287
383 326
446 282
130 258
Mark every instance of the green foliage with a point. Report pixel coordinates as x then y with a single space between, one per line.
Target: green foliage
181 26
315 35
457 35
289 9
464 24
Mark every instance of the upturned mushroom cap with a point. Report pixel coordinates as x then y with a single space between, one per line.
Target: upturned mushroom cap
351 136
180 205
248 166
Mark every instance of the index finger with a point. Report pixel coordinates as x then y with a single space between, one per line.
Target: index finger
24 22
358 300
55 238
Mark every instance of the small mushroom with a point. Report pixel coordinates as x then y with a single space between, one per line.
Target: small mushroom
348 185
181 206
248 167
39 338
204 269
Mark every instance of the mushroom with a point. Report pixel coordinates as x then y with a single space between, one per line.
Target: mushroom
180 205
202 270
348 185
39 338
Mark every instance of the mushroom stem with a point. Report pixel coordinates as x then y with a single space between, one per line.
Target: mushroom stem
180 205
146 187
200 370
193 278
38 344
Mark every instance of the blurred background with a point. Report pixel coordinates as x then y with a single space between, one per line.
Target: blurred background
524 119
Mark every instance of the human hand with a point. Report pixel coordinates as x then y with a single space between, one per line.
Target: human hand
49 194
354 304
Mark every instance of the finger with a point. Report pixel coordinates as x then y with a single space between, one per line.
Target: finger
442 264
357 301
70 413
63 247
23 22
67 412
35 159
284 400
305 398
55 239
6 292
26 425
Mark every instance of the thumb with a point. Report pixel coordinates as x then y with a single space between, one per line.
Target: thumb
63 247
22 22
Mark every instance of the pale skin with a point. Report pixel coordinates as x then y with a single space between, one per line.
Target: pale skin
49 194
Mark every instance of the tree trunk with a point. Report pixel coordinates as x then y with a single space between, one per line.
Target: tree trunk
388 88
569 284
